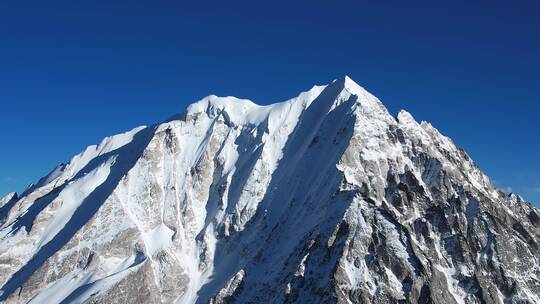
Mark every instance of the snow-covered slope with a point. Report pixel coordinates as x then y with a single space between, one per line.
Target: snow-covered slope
322 198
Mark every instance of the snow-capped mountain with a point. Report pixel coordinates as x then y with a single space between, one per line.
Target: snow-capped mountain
323 198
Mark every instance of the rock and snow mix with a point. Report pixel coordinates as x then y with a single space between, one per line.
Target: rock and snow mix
322 198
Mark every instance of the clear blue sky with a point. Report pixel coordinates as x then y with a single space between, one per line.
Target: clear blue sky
73 72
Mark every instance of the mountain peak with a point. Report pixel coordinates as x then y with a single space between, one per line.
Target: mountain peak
237 111
349 84
405 118
322 198
215 105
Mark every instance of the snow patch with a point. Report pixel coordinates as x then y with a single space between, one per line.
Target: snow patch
158 238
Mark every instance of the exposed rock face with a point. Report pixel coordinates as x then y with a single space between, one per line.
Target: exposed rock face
325 198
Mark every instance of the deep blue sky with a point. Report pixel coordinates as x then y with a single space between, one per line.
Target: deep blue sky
73 72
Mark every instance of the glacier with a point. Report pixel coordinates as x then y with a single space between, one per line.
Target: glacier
323 198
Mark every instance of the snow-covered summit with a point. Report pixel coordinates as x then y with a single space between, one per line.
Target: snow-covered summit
325 197
244 111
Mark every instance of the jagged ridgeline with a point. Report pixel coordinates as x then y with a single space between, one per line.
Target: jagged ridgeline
324 198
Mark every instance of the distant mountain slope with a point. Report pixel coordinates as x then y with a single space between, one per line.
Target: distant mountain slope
324 198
